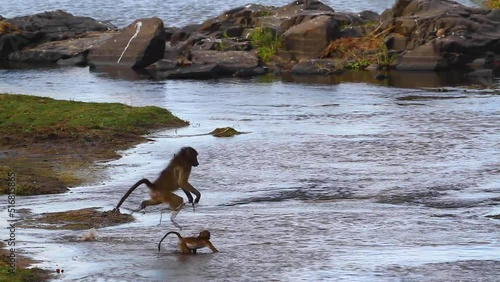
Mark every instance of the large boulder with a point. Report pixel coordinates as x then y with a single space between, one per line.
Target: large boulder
457 34
136 46
423 58
64 52
309 38
208 64
14 42
57 25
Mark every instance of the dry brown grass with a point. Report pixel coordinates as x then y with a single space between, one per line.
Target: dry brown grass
353 47
6 28
493 4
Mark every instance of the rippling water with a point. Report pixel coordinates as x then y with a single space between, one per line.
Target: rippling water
345 182
174 13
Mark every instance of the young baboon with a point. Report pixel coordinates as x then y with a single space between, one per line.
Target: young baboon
173 177
189 245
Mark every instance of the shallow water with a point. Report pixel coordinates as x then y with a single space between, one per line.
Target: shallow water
335 180
347 182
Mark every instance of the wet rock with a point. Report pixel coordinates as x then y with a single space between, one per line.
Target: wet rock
10 43
395 41
57 25
136 46
189 72
297 7
423 58
316 67
308 39
208 64
458 34
224 132
68 52
183 33
353 31
229 62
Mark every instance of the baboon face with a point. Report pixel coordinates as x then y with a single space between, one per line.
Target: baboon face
191 155
205 234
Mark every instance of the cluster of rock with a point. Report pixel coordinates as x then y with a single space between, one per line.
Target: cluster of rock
421 34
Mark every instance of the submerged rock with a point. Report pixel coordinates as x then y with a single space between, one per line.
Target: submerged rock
224 132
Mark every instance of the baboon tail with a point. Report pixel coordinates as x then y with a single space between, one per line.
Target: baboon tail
171 232
142 181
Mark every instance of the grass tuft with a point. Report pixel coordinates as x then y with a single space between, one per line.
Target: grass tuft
266 42
356 50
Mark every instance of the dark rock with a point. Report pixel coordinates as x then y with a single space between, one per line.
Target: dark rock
208 64
184 33
315 67
309 39
353 31
57 25
223 44
395 41
78 60
189 72
14 42
169 31
297 7
229 62
369 16
459 34
136 46
53 51
422 58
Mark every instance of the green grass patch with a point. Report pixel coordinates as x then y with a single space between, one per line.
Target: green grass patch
266 42
22 275
28 115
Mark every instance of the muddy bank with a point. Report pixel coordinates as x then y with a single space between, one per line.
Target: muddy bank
83 219
18 269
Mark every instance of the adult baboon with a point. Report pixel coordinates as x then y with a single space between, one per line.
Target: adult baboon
173 177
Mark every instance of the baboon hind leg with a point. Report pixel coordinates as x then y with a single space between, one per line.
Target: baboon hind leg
150 202
174 214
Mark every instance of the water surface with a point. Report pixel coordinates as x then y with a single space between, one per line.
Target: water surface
347 182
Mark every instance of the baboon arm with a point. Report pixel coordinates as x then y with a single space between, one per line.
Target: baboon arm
189 196
188 187
209 245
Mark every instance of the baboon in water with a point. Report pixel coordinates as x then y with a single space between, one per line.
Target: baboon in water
191 244
173 177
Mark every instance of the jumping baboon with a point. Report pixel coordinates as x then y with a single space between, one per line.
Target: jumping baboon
173 177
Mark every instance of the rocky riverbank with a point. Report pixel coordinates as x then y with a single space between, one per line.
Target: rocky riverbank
298 38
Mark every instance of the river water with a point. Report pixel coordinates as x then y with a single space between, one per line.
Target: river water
174 13
334 180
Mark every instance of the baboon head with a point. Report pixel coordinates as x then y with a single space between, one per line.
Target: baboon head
190 155
205 234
